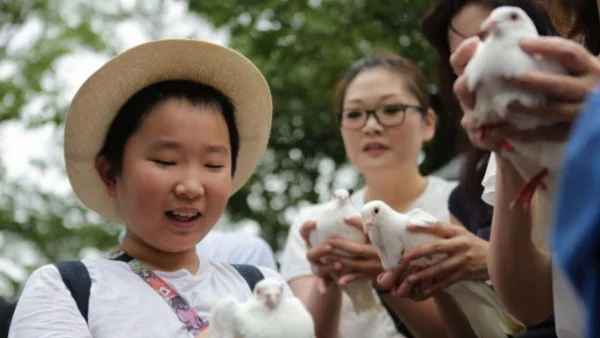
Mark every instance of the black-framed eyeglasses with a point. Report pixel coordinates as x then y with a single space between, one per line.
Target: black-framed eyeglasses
388 115
482 35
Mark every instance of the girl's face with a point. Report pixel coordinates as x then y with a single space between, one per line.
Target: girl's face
374 147
176 175
466 23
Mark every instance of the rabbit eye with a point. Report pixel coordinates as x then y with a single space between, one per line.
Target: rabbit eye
514 16
376 211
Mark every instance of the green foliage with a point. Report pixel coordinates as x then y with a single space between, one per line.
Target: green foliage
37 227
56 28
303 48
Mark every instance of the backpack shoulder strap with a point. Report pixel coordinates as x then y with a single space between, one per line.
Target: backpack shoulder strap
7 310
77 279
251 274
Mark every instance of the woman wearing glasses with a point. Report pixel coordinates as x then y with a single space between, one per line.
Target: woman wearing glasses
382 105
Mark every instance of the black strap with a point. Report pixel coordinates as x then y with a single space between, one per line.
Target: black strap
122 256
251 274
77 279
400 327
6 313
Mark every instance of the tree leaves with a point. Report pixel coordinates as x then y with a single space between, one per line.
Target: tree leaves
303 49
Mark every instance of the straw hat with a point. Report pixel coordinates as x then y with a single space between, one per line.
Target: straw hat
101 96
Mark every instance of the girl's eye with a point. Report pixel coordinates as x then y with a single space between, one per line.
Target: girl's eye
164 163
214 166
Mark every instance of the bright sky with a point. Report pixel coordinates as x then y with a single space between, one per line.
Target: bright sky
74 69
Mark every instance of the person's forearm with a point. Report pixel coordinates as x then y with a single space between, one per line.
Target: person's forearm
520 273
456 322
422 318
324 308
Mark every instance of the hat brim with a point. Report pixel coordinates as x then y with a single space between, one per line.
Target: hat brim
102 95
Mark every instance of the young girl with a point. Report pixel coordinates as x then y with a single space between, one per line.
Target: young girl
156 139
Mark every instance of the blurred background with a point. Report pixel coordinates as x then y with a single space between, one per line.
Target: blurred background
49 47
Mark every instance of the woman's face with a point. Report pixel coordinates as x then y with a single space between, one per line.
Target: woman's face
373 146
466 23
176 176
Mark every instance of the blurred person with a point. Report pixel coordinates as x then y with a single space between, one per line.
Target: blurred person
6 313
525 276
234 248
382 105
445 27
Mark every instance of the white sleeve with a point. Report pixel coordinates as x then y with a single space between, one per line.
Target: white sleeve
269 273
264 255
46 309
489 181
293 260
246 249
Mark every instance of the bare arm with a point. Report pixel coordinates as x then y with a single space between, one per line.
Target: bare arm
520 273
324 308
422 318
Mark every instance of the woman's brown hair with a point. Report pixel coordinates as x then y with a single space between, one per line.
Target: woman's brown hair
415 81
584 17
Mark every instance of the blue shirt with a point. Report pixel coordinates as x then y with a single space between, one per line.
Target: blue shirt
576 234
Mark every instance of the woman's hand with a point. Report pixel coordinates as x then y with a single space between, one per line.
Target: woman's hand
364 262
395 281
466 259
361 260
322 261
565 93
459 60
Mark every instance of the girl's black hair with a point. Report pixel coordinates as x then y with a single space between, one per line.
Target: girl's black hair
136 109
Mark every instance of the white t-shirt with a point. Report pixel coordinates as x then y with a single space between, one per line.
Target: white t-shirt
568 308
433 200
121 303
